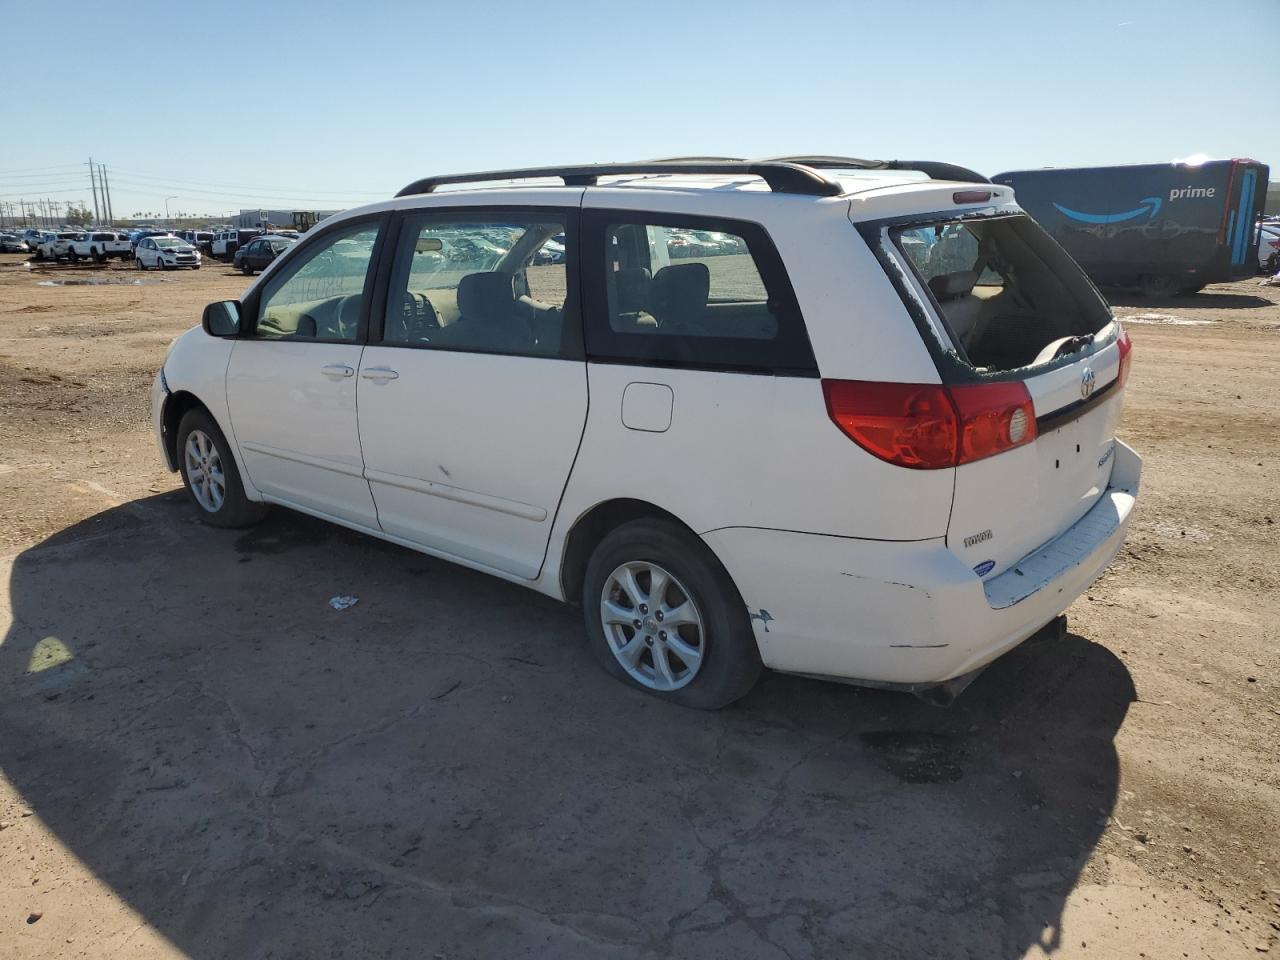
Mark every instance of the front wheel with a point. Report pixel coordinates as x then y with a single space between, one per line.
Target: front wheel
663 615
245 268
137 260
210 475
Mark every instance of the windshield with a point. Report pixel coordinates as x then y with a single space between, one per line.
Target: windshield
168 242
1003 287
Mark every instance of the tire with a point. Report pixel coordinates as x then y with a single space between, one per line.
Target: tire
232 509
138 263
98 255
1190 289
1158 286
728 664
72 256
245 268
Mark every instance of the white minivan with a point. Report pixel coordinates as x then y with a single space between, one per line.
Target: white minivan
868 434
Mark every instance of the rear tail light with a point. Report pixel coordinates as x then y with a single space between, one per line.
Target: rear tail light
929 426
1126 351
971 196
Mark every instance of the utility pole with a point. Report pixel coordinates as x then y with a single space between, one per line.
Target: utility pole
93 185
106 189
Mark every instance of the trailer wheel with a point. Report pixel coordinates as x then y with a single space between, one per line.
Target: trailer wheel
1158 286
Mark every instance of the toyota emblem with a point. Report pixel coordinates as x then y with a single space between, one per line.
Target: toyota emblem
1086 382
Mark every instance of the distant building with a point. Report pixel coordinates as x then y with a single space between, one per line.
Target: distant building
278 218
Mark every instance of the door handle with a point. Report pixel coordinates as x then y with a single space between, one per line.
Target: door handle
337 371
379 374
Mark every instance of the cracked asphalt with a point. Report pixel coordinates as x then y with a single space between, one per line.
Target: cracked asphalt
200 757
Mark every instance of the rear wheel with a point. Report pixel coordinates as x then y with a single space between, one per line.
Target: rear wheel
1158 286
663 615
72 256
210 475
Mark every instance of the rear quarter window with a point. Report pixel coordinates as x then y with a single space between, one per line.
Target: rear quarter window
689 291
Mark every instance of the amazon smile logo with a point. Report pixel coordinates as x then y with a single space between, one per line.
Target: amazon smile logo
1150 207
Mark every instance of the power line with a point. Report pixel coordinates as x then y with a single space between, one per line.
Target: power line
166 179
18 174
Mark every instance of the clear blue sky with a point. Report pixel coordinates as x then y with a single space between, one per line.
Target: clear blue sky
321 103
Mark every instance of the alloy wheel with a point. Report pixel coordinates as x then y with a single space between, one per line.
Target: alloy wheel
204 471
653 626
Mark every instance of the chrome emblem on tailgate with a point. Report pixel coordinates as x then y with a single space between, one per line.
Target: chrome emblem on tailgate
1086 382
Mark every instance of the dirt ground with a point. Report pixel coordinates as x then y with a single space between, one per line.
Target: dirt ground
199 757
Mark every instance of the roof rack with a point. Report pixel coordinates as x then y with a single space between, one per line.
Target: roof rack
782 176
934 169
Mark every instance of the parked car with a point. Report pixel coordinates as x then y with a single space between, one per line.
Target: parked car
260 252
11 243
1269 248
32 238
227 242
99 245
165 253
54 246
137 236
888 473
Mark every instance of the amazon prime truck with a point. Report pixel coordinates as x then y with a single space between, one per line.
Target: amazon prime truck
1165 228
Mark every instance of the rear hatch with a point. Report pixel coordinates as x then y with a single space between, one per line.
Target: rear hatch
1009 307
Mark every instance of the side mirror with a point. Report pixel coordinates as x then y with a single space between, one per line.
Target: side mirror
222 319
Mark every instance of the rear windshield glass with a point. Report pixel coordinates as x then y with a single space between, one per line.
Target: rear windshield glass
1009 295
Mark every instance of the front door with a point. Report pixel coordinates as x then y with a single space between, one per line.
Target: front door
472 403
291 384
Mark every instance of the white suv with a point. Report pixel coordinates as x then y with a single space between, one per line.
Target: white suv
868 435
98 245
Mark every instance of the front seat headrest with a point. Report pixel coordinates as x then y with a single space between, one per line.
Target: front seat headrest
486 296
678 293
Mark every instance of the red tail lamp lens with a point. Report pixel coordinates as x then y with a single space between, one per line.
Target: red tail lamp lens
994 417
930 426
1126 351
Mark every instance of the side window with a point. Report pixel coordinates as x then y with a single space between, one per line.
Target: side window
490 283
701 293
320 295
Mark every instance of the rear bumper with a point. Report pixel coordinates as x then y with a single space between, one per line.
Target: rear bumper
912 612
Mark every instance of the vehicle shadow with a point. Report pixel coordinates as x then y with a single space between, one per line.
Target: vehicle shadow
442 769
1206 299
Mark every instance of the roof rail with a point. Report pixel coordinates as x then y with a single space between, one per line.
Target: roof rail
782 176
934 169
